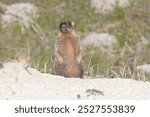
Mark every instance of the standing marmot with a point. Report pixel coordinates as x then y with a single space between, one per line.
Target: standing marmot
67 59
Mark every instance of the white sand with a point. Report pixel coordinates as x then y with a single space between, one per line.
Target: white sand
16 82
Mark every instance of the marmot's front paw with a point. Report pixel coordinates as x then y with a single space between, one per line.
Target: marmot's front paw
60 59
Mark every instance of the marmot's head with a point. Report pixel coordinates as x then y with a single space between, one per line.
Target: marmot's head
67 26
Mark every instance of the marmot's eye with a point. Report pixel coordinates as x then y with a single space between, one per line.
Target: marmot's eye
69 23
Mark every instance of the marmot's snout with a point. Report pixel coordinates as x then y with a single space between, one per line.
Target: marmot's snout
63 28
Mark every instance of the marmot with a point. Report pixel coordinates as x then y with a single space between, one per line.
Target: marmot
67 60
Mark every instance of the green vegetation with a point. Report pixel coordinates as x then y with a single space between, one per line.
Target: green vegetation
129 24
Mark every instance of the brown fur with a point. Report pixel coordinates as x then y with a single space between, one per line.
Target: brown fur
67 60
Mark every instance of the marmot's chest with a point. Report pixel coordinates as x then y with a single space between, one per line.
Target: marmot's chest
69 48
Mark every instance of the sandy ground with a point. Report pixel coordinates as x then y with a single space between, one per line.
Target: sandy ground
17 81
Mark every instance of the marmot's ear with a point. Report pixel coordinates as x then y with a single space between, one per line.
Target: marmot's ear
72 23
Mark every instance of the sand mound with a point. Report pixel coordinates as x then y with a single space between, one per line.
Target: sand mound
18 81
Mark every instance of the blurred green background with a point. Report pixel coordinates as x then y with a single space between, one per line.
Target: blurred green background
129 24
